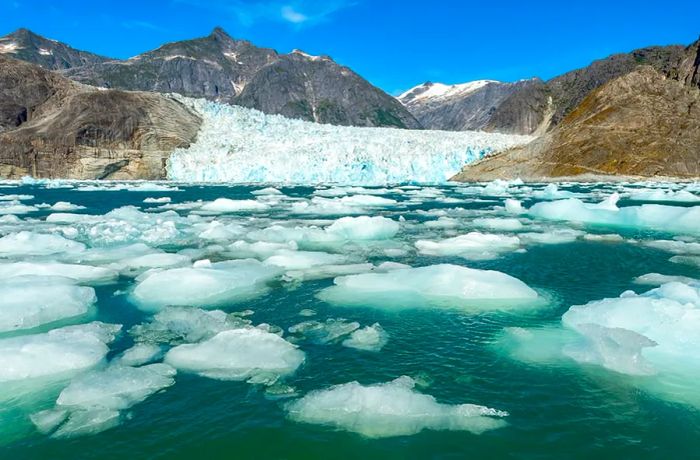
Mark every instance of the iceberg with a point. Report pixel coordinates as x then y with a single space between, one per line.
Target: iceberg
438 286
215 285
237 144
473 246
30 301
390 409
238 354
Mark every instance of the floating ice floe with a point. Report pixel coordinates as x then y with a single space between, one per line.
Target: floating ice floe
25 243
682 196
390 409
93 402
473 246
323 332
657 279
214 285
55 353
235 144
439 286
30 301
177 325
370 338
498 224
238 354
64 206
84 274
653 335
226 205
673 219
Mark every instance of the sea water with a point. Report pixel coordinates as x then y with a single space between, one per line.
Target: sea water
500 320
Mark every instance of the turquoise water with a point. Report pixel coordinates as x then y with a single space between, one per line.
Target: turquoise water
566 409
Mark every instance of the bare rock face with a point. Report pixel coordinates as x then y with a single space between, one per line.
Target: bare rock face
641 124
74 131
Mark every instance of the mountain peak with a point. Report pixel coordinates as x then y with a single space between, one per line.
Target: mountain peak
220 34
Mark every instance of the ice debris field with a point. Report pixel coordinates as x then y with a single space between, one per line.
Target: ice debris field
473 312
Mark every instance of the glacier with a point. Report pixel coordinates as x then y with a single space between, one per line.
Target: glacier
237 144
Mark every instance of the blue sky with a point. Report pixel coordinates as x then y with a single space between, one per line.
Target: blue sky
394 44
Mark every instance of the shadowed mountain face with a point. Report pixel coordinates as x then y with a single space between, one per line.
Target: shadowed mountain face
220 68
53 127
643 123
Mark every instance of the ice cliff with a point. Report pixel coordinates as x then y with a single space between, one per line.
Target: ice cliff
237 144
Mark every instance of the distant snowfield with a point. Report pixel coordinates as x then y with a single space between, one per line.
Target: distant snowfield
237 144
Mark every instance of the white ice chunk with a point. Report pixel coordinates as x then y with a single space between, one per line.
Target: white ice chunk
370 338
218 285
238 354
226 205
30 301
390 409
440 286
36 244
56 352
473 246
85 274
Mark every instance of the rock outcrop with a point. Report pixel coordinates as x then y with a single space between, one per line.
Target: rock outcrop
55 128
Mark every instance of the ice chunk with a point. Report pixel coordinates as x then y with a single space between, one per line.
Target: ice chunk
64 206
136 265
370 338
473 245
238 354
140 354
440 286
176 325
363 228
329 331
226 205
259 249
390 409
92 402
163 199
492 223
25 243
300 260
514 207
552 237
30 301
56 352
673 219
221 284
84 274
657 279
664 195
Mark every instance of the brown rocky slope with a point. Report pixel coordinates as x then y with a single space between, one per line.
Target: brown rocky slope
644 124
55 128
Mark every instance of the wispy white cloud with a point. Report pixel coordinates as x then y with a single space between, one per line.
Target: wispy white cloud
297 13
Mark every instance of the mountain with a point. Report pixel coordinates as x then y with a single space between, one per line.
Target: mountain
466 107
221 68
53 127
26 45
529 106
645 122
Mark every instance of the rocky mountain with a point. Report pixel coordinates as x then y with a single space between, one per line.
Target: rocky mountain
530 106
26 45
221 68
643 123
464 107
53 127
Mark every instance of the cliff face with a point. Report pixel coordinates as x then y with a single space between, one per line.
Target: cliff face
52 127
641 124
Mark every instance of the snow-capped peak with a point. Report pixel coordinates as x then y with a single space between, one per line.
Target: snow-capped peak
431 90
